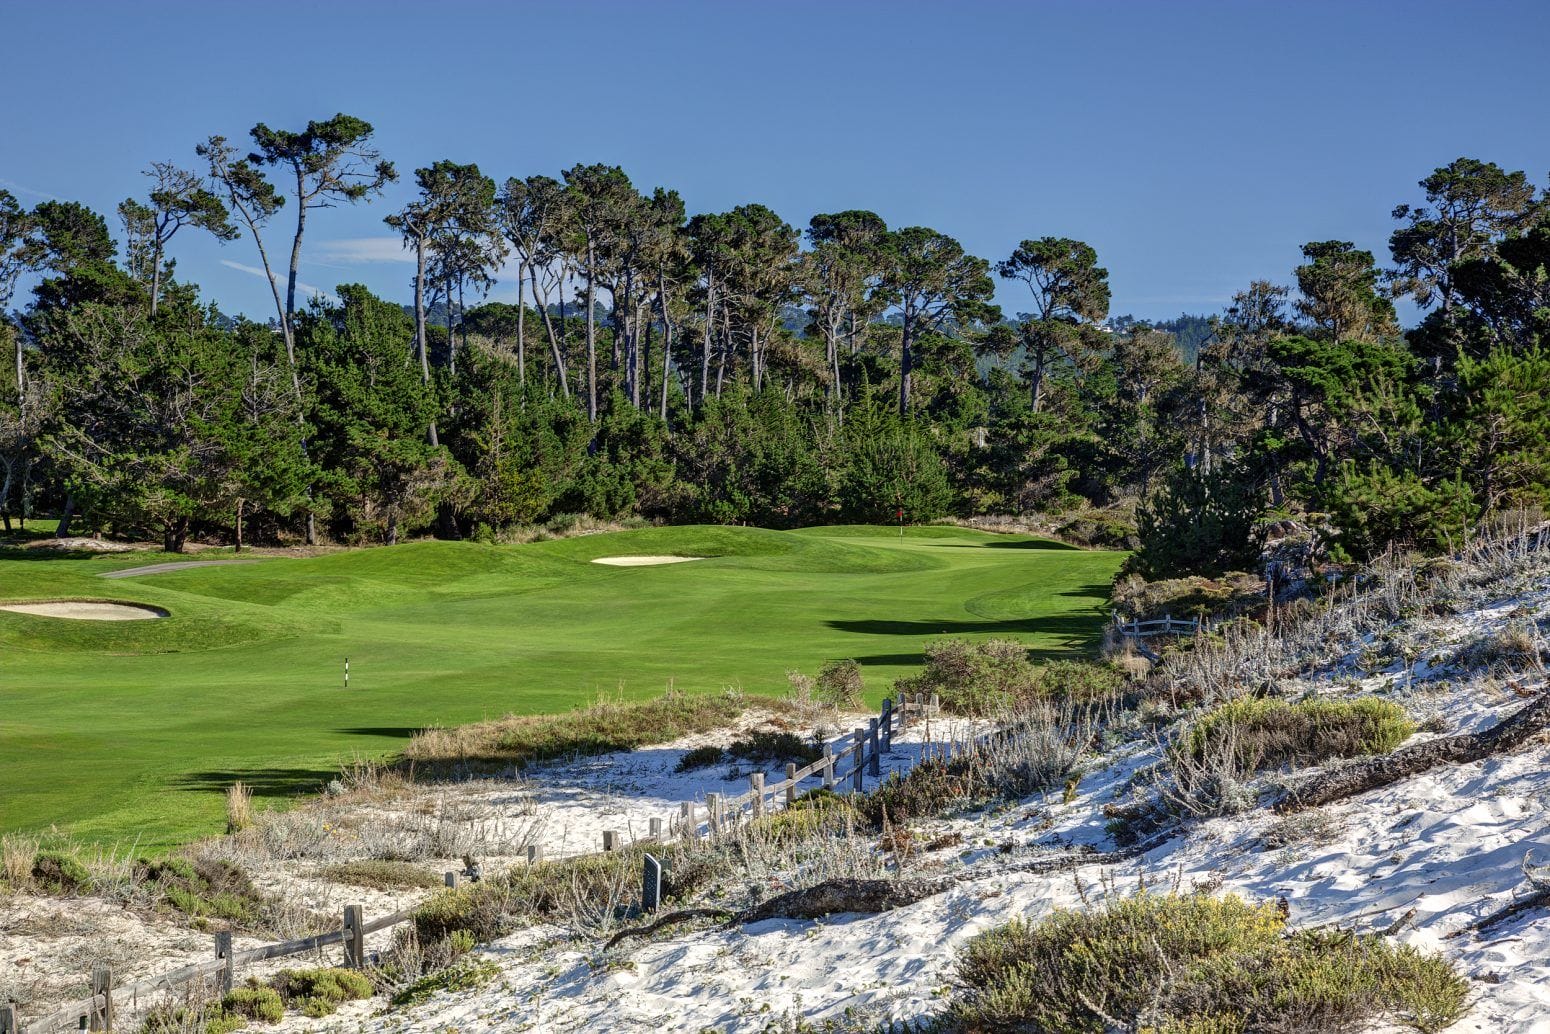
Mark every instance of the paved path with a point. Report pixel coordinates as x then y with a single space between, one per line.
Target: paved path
180 565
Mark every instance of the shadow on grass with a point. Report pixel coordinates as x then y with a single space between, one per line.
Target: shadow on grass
399 732
12 552
999 544
264 782
1077 626
1070 651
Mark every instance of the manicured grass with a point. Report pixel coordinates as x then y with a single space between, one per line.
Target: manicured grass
131 730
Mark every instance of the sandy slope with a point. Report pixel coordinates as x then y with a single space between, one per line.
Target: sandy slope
1448 844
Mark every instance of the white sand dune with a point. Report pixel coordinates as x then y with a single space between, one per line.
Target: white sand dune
87 610
643 561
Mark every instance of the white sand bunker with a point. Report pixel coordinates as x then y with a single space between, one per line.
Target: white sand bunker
643 561
87 610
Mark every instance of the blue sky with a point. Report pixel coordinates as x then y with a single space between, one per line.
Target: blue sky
1195 145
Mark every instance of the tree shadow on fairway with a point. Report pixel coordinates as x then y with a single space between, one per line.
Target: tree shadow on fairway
1068 651
1002 544
397 732
264 782
1070 626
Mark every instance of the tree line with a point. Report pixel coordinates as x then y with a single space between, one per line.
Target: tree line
728 367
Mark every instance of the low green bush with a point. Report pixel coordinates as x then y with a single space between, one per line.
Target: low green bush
1193 964
771 746
700 757
469 975
1269 732
319 992
255 1002
180 1020
975 678
204 888
58 872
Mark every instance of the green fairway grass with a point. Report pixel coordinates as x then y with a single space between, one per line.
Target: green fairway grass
130 731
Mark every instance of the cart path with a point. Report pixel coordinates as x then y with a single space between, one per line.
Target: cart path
180 565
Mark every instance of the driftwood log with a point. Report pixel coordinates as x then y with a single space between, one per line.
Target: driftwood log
1508 734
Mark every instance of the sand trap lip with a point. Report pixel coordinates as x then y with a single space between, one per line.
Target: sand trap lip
180 565
87 610
643 561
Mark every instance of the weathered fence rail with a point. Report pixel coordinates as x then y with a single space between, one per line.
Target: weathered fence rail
862 753
1165 625
97 1011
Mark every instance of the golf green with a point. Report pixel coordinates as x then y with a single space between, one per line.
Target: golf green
129 731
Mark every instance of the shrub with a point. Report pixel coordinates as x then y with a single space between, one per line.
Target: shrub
975 678
1199 522
840 685
771 746
700 757
1078 681
318 992
58 872
382 875
1192 964
465 976
205 888
255 1002
211 1019
1268 732
478 909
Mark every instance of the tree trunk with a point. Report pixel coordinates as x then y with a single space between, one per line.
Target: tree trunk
591 336
905 361
174 534
554 340
156 275
521 325
240 504
710 320
667 342
62 531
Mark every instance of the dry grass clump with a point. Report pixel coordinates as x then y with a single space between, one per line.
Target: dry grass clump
1516 645
381 874
239 807
1189 964
839 685
1036 750
560 526
607 726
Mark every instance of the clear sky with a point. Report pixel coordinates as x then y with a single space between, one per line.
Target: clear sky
1195 145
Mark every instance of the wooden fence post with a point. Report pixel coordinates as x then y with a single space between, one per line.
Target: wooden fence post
354 938
859 772
756 787
101 984
535 854
713 805
887 723
223 954
654 829
651 885
610 840
874 759
450 879
687 828
8 1022
791 783
828 767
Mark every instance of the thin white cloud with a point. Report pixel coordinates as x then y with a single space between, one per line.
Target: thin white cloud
316 292
363 249
13 185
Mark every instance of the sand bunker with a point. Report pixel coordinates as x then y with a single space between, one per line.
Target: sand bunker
86 610
643 561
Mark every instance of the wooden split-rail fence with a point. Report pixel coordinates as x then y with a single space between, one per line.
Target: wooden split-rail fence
1165 625
844 769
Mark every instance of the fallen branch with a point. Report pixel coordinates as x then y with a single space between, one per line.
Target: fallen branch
845 895
1537 879
1507 734
682 915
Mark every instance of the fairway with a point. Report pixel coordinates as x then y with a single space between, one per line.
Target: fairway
130 730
